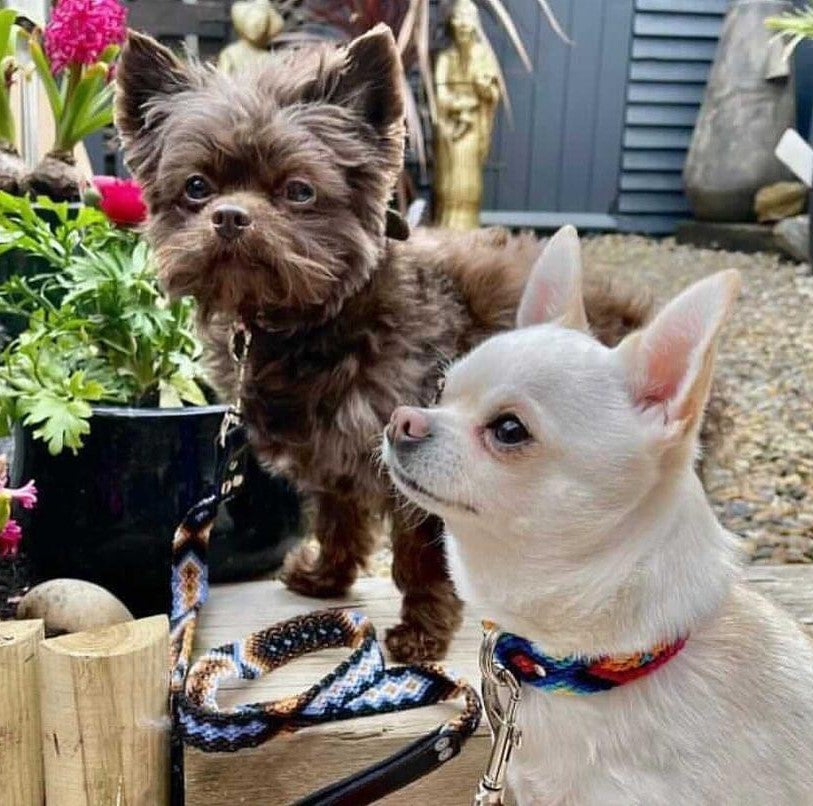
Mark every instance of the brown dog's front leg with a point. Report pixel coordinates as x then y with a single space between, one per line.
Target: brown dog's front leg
431 611
345 541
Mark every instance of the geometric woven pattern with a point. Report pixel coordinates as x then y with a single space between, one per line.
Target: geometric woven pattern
359 686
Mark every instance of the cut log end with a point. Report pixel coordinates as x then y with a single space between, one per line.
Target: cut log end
119 639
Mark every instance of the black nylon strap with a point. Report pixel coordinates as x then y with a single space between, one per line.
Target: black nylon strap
230 462
412 762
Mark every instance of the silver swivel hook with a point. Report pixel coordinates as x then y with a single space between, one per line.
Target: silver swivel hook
239 342
505 735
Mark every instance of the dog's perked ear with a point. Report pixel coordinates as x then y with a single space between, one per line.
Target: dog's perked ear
553 292
369 79
670 363
146 72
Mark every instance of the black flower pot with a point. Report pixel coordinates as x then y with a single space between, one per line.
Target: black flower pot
108 513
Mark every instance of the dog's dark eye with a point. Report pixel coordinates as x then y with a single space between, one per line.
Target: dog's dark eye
197 188
508 430
299 192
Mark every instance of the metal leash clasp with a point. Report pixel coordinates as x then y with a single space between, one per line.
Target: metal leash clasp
505 735
239 342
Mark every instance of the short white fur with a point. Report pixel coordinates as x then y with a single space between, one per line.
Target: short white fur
596 537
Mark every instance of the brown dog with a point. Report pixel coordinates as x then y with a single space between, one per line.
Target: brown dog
268 198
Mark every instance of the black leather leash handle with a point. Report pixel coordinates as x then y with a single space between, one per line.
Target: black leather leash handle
412 762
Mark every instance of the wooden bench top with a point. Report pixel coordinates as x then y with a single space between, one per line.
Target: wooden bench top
289 767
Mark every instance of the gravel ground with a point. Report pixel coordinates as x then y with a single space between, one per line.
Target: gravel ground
760 474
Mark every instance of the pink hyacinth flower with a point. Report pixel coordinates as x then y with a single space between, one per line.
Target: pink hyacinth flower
10 538
25 496
79 31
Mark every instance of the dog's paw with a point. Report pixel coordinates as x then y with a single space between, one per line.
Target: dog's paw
411 643
304 573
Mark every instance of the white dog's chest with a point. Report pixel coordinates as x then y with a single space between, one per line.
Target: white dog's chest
606 749
574 751
631 747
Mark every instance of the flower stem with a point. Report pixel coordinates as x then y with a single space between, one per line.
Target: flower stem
64 140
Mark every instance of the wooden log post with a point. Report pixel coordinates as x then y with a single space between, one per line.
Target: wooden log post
20 738
105 715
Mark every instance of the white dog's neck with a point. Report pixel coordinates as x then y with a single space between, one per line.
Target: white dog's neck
667 566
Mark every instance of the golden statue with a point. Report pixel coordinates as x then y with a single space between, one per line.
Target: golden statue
256 22
468 91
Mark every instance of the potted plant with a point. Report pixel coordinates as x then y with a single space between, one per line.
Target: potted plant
94 390
39 237
74 57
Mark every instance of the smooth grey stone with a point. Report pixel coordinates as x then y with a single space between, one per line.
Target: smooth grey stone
72 605
742 117
792 236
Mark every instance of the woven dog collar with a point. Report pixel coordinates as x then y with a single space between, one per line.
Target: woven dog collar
578 675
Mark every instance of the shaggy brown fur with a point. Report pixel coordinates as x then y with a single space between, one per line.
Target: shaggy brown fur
347 324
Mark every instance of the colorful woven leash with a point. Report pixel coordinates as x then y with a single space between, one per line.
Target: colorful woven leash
360 686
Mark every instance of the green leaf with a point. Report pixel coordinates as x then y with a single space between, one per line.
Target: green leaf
86 84
80 387
168 396
103 99
89 216
62 422
7 17
109 54
188 389
93 124
44 72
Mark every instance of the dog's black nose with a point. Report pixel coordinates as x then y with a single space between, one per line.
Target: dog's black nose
229 221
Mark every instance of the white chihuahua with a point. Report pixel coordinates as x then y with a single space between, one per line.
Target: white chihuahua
564 473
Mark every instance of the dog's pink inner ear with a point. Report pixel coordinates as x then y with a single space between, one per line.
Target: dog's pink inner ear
666 360
371 78
672 359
